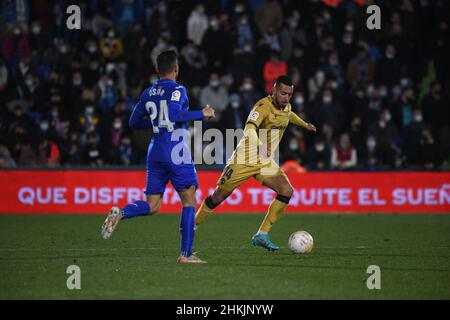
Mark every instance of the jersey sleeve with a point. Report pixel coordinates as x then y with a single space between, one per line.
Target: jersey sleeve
139 117
258 114
178 107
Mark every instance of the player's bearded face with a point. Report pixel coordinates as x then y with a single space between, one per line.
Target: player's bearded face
282 94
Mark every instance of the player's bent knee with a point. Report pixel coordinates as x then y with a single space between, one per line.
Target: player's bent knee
154 208
286 191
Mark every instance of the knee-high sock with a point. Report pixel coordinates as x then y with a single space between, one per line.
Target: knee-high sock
274 213
134 209
202 213
187 232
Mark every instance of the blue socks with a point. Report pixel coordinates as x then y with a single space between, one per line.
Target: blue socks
187 224
135 209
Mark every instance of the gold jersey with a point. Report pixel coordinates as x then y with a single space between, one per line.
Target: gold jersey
270 123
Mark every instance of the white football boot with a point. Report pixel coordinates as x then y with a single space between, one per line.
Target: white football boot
191 259
111 222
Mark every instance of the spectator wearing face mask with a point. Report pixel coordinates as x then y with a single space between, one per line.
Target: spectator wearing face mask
347 45
374 105
234 115
15 43
295 147
38 39
357 135
106 93
298 101
124 151
343 155
244 32
215 94
92 154
375 157
197 24
429 152
327 110
195 64
319 156
435 109
316 85
291 36
89 118
361 69
215 45
249 94
71 151
389 68
403 108
111 46
244 62
385 131
334 69
412 136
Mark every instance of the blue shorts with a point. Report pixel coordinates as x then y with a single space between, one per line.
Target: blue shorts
159 173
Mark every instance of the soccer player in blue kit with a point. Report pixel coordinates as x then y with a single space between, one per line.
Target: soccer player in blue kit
164 107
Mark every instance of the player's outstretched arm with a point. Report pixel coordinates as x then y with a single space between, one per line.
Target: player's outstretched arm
176 114
295 119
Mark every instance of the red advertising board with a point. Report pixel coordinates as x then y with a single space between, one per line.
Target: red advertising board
87 192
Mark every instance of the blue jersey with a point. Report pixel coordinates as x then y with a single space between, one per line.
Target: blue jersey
165 108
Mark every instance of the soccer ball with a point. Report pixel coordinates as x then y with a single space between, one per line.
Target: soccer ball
300 242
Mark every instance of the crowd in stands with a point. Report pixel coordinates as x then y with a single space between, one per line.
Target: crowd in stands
379 98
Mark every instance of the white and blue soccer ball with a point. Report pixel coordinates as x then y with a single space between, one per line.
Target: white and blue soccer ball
300 242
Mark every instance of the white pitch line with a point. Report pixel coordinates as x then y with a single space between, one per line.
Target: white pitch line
208 248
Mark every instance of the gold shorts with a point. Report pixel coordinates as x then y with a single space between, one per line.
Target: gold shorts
233 175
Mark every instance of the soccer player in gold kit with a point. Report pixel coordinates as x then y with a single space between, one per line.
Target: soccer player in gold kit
253 157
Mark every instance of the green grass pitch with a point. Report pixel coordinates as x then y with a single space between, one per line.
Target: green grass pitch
139 261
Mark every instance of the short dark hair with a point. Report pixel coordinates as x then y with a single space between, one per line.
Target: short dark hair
166 61
284 80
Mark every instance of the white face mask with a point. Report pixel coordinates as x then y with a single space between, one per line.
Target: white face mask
36 29
248 86
235 104
418 118
382 124
387 117
117 125
347 40
327 99
320 77
214 83
293 24
44 126
293 146
299 100
320 147
371 144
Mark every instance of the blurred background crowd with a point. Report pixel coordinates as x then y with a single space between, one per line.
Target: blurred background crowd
379 98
